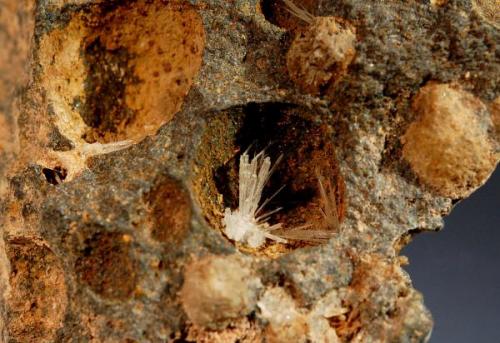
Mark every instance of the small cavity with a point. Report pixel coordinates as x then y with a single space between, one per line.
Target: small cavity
307 150
55 176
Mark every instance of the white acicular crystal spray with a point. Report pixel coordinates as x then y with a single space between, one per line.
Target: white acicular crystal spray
246 224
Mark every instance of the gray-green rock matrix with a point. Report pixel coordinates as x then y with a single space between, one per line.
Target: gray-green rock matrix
121 127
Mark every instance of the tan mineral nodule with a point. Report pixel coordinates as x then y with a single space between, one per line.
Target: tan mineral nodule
99 74
319 56
289 323
489 10
286 322
448 146
218 289
115 99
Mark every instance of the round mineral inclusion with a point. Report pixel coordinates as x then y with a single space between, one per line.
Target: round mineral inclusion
320 55
448 146
217 289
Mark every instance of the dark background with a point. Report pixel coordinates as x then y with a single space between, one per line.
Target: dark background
458 269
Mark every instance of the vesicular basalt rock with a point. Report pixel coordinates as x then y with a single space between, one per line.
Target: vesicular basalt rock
121 127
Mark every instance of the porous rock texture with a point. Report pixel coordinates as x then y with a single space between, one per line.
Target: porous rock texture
121 127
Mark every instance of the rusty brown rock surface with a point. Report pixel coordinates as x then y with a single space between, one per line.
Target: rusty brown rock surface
121 126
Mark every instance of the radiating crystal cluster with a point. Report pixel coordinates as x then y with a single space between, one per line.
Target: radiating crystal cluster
246 224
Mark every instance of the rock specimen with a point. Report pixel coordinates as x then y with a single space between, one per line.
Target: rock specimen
122 124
